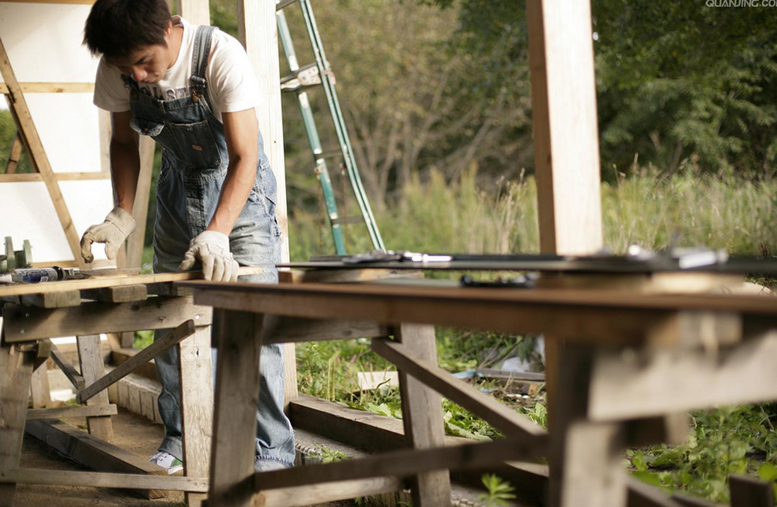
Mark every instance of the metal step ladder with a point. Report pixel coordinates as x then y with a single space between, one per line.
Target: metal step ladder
318 73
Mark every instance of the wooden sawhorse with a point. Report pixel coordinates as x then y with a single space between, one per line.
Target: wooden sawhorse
632 361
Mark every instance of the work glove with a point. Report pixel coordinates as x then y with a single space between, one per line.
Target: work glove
117 226
212 249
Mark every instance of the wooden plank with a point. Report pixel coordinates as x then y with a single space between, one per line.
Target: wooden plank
196 380
238 336
64 299
62 412
32 177
93 452
154 313
168 289
120 294
136 241
164 343
14 154
422 416
92 368
377 433
658 382
671 429
749 492
15 374
642 495
67 368
403 463
102 480
120 356
484 406
37 152
39 387
51 87
315 494
109 281
294 330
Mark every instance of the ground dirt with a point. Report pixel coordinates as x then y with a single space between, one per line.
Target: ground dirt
133 433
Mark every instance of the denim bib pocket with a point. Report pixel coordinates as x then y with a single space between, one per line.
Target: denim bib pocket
196 145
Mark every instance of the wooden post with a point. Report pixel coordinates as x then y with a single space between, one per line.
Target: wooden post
92 369
38 154
196 381
566 148
41 395
238 336
136 241
14 154
422 416
15 374
258 32
196 12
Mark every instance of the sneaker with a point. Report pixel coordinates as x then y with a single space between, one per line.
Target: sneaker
167 461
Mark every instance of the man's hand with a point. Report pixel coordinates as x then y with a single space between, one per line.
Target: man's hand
117 226
212 249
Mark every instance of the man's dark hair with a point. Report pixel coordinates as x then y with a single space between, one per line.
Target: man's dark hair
118 28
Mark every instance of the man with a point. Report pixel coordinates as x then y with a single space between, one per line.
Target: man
193 90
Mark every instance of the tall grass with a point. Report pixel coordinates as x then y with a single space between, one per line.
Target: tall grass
438 216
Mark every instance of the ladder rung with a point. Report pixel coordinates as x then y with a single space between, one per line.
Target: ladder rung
348 220
283 4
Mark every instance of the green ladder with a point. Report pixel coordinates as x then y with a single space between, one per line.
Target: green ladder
313 74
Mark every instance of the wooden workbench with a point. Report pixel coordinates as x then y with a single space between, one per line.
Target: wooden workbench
632 362
115 303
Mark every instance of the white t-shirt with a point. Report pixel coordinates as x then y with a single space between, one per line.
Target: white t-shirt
232 84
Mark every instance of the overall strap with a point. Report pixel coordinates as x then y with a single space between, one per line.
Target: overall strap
200 60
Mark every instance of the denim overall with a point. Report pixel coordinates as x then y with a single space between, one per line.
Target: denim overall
194 165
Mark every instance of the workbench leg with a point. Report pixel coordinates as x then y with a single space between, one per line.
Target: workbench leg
238 338
41 393
196 381
585 457
92 369
422 416
15 374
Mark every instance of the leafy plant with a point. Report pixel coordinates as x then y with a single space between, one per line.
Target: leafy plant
328 455
499 491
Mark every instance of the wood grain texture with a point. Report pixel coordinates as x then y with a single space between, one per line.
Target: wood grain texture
137 239
15 374
93 452
38 153
52 87
92 369
164 343
67 368
119 294
196 380
750 492
39 387
238 336
102 480
422 415
60 412
155 313
63 299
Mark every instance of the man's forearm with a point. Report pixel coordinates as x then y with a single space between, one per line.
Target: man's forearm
240 179
125 168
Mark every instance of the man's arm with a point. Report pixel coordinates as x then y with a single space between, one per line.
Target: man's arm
125 160
241 131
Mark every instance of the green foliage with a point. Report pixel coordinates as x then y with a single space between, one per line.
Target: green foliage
7 133
328 455
142 339
498 491
734 440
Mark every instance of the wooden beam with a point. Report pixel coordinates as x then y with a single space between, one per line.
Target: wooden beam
422 416
14 154
31 177
15 374
40 477
92 368
238 338
196 381
119 294
62 2
35 414
27 324
295 330
484 406
64 299
658 382
136 241
93 452
40 391
749 492
109 281
51 87
37 152
166 342
67 368
642 495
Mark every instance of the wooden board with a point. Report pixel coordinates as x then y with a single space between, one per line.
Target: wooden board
107 281
62 412
93 368
155 313
15 374
93 452
103 480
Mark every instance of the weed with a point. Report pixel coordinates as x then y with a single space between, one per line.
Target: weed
499 491
328 455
